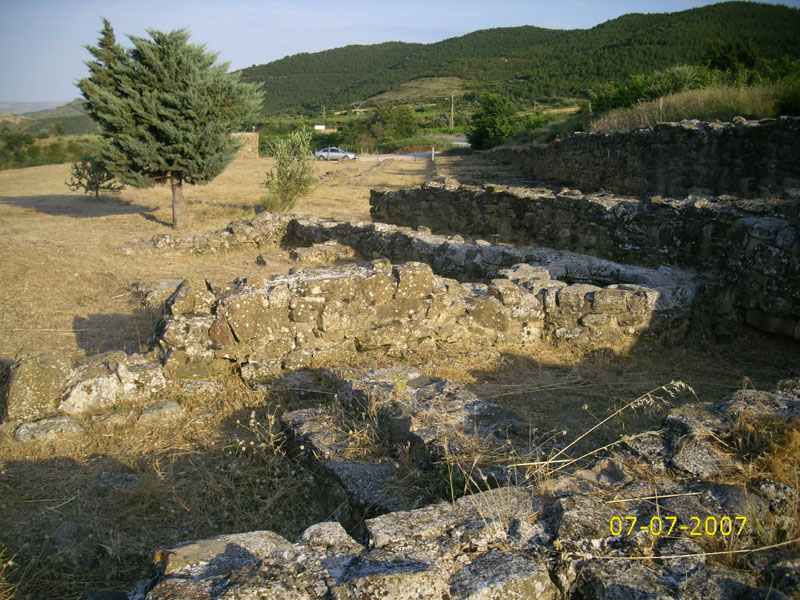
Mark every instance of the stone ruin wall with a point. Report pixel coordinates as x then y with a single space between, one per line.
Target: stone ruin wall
265 326
515 540
749 159
751 250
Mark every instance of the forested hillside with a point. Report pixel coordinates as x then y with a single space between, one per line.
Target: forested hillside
70 118
527 61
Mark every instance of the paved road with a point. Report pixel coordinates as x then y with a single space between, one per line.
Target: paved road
456 141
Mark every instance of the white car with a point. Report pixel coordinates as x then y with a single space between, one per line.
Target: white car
334 153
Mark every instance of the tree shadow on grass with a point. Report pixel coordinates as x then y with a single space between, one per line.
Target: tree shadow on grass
94 522
562 395
79 207
151 217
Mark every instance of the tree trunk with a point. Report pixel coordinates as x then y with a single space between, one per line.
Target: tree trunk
178 213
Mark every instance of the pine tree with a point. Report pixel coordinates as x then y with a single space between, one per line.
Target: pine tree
166 110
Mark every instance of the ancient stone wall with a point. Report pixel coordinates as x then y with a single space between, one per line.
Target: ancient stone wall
315 318
512 540
750 159
751 249
262 327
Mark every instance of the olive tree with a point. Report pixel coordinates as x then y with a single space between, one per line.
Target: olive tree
292 177
166 110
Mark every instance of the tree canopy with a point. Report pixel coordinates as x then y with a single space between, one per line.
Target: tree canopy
493 123
166 110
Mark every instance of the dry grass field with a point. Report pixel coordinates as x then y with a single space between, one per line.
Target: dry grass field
66 278
65 286
424 88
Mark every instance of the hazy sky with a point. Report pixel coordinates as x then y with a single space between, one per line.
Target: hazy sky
42 42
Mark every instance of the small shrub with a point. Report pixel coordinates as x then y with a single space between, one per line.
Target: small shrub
91 175
272 203
293 175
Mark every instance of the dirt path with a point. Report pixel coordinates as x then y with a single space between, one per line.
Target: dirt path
65 279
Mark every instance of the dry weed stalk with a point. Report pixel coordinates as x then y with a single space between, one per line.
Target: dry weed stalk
648 399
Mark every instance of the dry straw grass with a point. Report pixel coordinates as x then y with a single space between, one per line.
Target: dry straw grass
222 469
710 104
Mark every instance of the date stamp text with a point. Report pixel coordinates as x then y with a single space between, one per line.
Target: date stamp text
657 526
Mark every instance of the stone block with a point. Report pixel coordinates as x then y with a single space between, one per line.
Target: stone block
499 575
610 300
488 312
400 310
138 376
265 350
189 333
261 369
220 334
595 321
339 286
378 288
396 577
580 516
702 458
161 414
414 280
506 292
338 353
607 580
179 365
47 429
190 299
35 386
92 394
393 334
341 317
577 298
326 253
304 309
250 316
220 555
298 358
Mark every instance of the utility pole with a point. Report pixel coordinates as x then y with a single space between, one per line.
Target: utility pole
323 112
452 109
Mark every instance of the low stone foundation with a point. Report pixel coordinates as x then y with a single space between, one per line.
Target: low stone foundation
535 528
572 536
317 317
262 327
751 250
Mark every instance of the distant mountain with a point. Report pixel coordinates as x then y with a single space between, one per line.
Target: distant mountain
71 116
526 61
21 108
